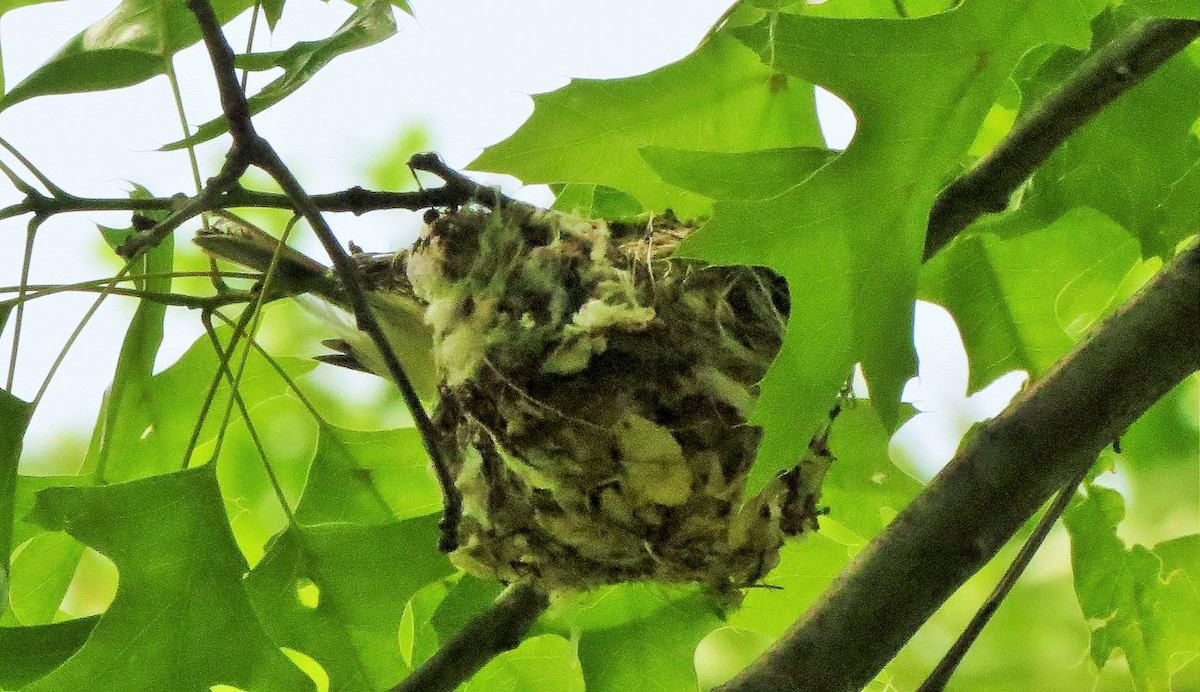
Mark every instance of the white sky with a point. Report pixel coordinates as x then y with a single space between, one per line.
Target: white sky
463 69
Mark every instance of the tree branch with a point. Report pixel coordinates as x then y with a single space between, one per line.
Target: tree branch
355 200
490 634
991 487
250 148
1111 71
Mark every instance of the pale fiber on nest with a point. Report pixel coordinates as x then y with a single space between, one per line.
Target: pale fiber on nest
596 391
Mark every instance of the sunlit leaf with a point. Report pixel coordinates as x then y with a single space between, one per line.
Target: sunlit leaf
181 616
848 238
129 408
132 44
371 23
1144 602
546 663
337 593
153 435
1022 303
1136 161
720 98
369 477
14 418
654 652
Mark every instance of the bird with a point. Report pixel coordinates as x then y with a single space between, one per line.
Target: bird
595 389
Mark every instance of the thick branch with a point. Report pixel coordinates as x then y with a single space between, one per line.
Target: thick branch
495 631
991 487
1111 71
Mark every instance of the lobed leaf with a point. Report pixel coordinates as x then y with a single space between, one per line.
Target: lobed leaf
14 419
719 98
848 238
181 618
1143 601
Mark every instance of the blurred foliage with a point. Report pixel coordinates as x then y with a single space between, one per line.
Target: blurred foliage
180 547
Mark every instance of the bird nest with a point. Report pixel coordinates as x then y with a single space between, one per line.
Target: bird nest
595 391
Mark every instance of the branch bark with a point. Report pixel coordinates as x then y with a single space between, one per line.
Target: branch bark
1111 71
991 487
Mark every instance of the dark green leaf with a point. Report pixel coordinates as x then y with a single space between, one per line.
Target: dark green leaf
469 597
181 616
28 653
848 238
371 23
132 44
720 98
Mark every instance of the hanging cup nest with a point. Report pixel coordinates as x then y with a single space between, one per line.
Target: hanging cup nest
593 392
596 390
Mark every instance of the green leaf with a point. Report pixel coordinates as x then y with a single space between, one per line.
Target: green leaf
654 652
848 238
129 409
596 201
546 663
371 23
180 617
368 478
151 434
1022 303
720 98
28 653
754 175
863 488
132 44
1144 602
42 570
335 586
806 567
337 593
1136 161
44 562
14 419
469 597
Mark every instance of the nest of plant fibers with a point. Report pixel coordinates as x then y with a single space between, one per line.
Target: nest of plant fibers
596 391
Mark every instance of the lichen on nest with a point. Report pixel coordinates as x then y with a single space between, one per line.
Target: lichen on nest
596 391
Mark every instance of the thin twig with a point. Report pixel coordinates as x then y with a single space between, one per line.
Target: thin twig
256 150
936 682
1112 70
355 200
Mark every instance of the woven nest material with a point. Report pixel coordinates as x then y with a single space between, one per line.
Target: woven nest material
596 391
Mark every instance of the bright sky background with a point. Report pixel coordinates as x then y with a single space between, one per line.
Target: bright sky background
463 70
